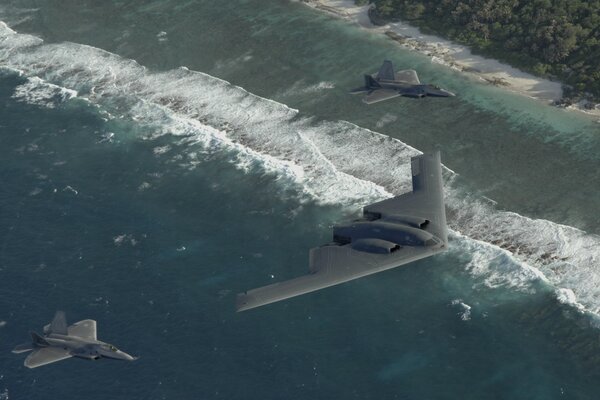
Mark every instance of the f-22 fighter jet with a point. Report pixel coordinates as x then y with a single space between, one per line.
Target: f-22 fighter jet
61 341
387 84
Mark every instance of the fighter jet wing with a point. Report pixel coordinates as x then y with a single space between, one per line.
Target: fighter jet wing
380 95
408 76
45 356
84 329
381 241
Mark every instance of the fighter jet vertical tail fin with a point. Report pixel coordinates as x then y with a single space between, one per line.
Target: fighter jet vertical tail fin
386 71
371 83
59 324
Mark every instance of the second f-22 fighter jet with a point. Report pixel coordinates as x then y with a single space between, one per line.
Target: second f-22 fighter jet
387 84
391 233
61 341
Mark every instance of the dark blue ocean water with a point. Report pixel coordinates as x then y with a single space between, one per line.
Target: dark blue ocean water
144 195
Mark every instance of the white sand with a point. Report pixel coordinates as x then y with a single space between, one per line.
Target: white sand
453 55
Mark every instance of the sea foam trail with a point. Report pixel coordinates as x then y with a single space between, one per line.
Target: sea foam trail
330 162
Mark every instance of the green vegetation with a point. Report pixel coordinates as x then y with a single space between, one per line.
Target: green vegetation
552 38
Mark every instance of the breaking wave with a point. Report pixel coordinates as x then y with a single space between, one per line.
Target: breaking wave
41 93
332 162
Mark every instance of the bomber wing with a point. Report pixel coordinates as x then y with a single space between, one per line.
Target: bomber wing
419 214
45 356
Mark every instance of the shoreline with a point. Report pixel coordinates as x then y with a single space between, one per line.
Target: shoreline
457 56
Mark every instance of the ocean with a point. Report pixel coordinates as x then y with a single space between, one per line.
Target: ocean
158 157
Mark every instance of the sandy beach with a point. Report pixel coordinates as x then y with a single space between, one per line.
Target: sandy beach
453 55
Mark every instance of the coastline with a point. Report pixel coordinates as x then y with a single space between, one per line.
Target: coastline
456 56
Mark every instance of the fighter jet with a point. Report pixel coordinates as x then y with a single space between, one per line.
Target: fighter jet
61 341
390 233
387 84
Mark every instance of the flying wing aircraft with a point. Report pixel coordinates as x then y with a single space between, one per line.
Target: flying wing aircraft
387 84
391 233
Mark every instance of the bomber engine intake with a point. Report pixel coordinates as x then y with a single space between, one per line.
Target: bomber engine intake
375 246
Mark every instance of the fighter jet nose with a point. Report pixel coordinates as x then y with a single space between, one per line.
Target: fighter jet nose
446 93
124 356
437 91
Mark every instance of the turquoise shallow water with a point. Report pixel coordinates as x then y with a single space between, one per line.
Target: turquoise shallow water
151 197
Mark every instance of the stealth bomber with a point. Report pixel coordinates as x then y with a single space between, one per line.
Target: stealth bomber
391 233
387 84
60 342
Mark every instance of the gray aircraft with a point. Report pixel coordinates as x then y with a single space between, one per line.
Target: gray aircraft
387 84
391 233
61 341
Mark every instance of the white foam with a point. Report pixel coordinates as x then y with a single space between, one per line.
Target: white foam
566 256
302 88
161 149
330 162
465 313
125 239
496 267
39 92
567 296
5 29
386 119
12 42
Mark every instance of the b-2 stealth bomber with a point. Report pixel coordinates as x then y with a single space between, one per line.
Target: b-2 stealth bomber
387 84
61 342
391 233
